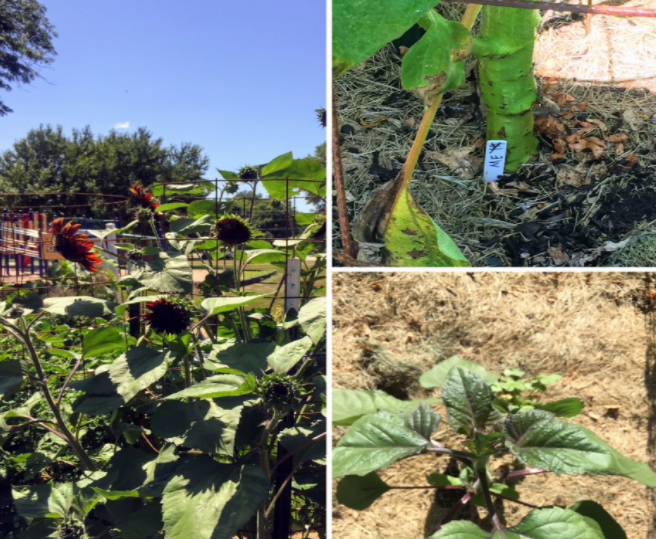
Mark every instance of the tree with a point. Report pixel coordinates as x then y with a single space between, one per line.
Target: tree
25 43
48 162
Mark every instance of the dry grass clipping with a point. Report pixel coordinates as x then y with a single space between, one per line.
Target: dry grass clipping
594 329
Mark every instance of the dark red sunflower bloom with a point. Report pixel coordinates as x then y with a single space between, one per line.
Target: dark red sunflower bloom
73 246
233 230
145 200
166 316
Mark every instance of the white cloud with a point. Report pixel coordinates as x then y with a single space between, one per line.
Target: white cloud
124 125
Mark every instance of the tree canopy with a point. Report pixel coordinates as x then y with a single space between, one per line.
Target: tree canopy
25 43
47 161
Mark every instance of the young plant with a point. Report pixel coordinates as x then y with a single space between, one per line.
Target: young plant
383 431
391 219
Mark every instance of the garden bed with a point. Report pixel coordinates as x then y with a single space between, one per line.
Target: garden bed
588 199
596 330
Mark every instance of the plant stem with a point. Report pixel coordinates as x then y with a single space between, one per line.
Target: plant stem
86 461
469 18
480 468
187 369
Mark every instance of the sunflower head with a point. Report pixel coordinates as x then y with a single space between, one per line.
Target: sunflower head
143 199
135 256
280 391
233 230
248 174
168 316
321 116
73 246
70 530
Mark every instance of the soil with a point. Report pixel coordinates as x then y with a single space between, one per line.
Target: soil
538 216
595 329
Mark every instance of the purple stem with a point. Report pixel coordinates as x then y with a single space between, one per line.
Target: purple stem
61 392
462 503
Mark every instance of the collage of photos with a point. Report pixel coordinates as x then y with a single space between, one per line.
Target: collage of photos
328 269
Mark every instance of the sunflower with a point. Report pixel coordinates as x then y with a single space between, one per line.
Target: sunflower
280 390
321 116
248 174
168 316
145 200
73 246
233 230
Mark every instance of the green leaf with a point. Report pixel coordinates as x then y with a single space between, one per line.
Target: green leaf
481 445
422 420
209 500
468 399
43 501
349 405
191 226
599 519
461 529
201 208
167 272
101 341
171 206
224 304
246 357
302 175
374 442
221 385
287 356
200 424
279 163
551 522
126 472
227 175
305 219
115 384
312 317
538 439
79 306
198 188
436 376
306 444
358 492
362 27
12 374
120 309
436 63
564 407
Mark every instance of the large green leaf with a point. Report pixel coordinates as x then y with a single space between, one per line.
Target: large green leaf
221 305
191 226
349 405
312 317
551 522
361 27
436 63
197 188
199 424
538 439
374 442
245 357
199 208
12 374
300 175
461 529
115 384
279 163
79 306
221 385
101 341
287 356
360 492
209 500
599 519
134 518
53 500
167 272
436 376
126 472
305 443
468 399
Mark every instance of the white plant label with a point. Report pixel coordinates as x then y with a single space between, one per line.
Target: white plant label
495 159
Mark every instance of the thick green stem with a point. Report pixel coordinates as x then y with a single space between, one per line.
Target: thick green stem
25 338
507 84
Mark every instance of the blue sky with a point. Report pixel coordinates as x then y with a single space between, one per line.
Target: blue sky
241 79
